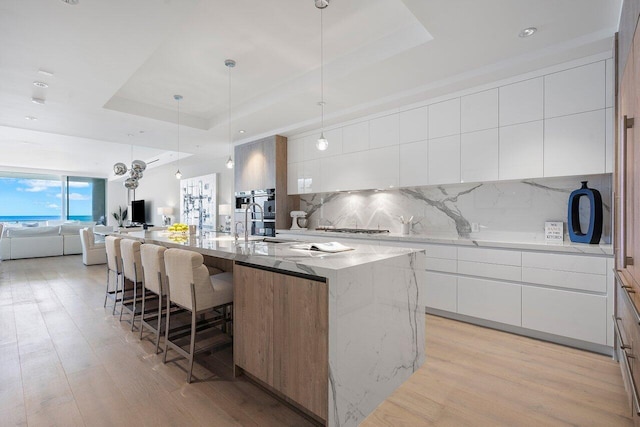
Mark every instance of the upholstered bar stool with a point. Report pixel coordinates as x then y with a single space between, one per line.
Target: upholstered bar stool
191 288
132 272
154 283
114 268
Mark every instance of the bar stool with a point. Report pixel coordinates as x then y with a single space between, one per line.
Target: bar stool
114 265
132 272
191 288
155 282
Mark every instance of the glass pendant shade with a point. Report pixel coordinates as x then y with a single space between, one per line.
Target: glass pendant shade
322 143
229 163
178 174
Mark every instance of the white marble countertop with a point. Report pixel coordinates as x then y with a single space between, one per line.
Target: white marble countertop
566 247
276 255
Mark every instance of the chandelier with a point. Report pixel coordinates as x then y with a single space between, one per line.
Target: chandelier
135 172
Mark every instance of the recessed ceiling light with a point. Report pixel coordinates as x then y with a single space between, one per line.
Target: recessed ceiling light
31 118
129 135
241 131
72 2
40 84
527 32
45 72
38 101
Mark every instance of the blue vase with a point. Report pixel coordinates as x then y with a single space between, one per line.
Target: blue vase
594 231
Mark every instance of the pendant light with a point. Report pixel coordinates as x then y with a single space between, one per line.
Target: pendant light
230 63
178 98
322 142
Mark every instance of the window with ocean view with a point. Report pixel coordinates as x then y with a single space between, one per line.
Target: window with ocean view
31 198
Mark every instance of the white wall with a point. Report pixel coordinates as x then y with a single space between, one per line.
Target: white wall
159 186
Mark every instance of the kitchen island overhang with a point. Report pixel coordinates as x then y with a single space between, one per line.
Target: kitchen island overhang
376 315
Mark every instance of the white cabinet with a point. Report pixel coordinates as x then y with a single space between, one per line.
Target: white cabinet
294 151
575 145
479 111
441 258
575 90
444 118
522 102
384 131
489 299
610 79
340 173
311 174
521 151
569 314
444 160
355 137
413 125
413 164
566 271
479 156
380 168
441 291
493 263
490 256
609 153
295 178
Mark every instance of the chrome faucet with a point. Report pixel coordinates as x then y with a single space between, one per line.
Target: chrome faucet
246 219
236 226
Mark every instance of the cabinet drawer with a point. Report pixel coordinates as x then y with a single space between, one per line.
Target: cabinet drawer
441 291
491 256
565 279
494 271
440 251
565 313
439 264
630 333
576 263
487 299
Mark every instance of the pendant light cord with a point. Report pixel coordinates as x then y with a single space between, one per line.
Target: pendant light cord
230 143
322 71
178 134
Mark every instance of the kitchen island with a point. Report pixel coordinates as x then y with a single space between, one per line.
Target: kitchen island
332 333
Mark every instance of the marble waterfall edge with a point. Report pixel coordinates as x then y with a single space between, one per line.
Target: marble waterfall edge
380 339
504 210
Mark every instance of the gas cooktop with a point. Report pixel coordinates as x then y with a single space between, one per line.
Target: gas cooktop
356 230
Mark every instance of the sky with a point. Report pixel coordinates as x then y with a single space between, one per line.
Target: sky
41 197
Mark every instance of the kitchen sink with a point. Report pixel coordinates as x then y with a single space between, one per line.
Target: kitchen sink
274 240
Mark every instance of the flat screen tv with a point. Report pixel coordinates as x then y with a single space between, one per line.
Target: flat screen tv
138 214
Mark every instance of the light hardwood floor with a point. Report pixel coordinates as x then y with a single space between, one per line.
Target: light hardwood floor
65 360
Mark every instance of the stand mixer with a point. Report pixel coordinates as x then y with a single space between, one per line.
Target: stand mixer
298 215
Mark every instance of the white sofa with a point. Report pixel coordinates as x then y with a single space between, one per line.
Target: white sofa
32 242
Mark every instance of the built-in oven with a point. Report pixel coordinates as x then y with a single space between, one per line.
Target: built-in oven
260 225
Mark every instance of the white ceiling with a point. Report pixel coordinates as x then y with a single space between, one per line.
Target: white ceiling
118 63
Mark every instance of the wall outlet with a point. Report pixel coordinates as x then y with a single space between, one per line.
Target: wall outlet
475 227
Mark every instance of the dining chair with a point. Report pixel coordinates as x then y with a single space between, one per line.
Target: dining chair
193 289
114 269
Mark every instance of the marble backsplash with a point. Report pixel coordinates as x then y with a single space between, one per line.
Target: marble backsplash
503 210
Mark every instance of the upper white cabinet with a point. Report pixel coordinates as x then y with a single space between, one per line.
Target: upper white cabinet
380 168
559 124
444 118
413 164
479 111
575 144
384 131
444 160
522 102
479 156
413 125
521 151
575 90
355 137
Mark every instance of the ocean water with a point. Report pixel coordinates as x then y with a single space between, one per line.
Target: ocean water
31 218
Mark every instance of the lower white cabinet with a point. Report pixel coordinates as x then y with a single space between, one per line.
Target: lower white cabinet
489 299
441 291
570 314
